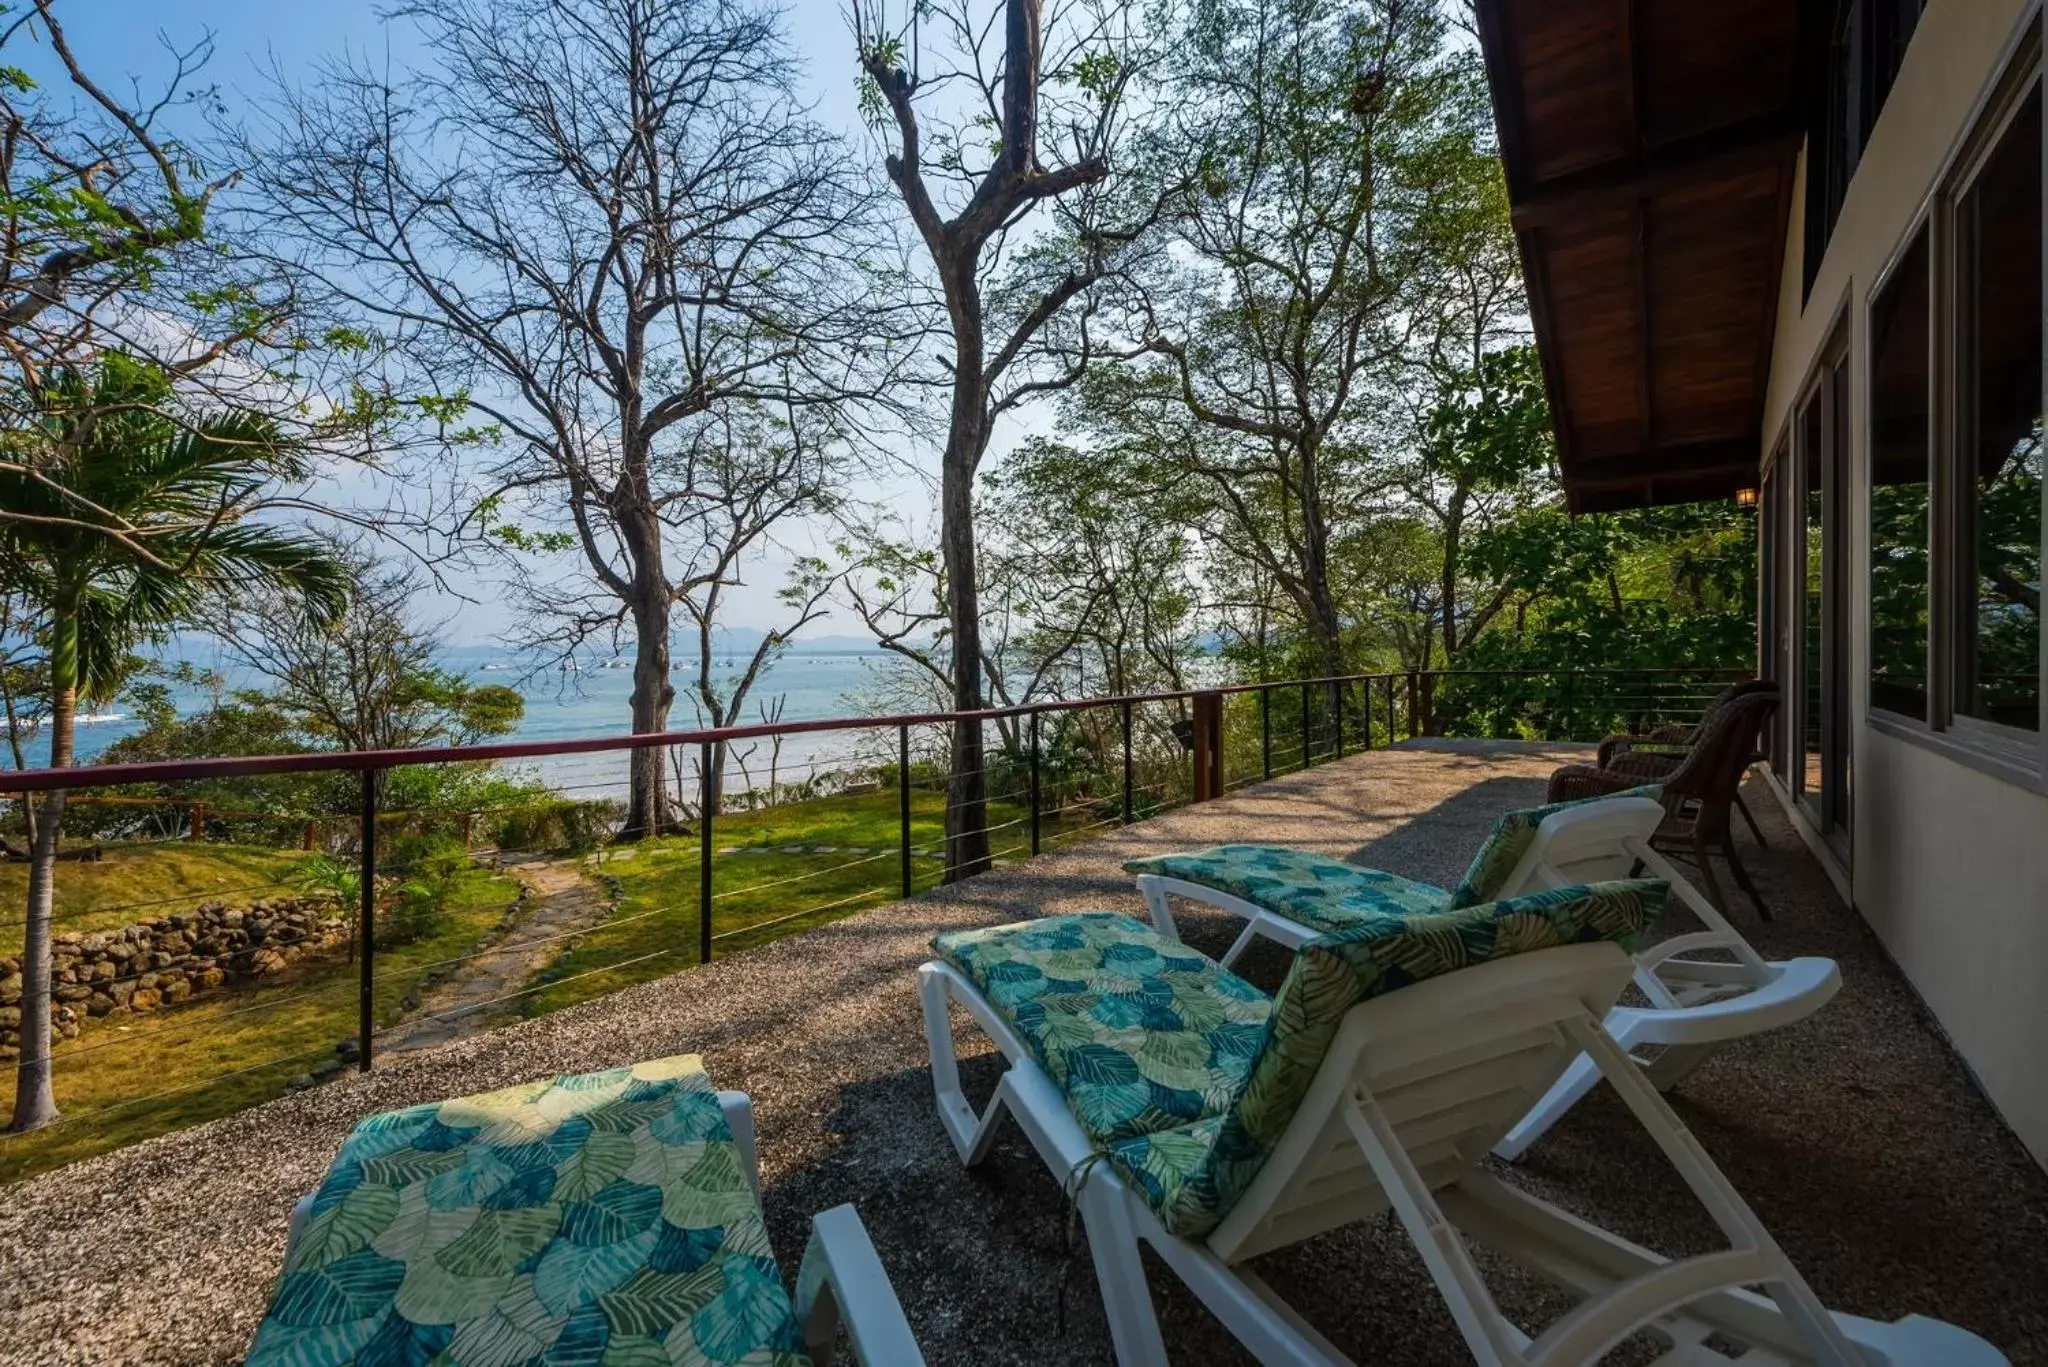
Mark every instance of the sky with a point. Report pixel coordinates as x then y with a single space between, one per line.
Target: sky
124 40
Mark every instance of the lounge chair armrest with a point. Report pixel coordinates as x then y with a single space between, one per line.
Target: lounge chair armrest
840 1282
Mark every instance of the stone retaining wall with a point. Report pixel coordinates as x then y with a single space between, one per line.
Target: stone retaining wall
142 967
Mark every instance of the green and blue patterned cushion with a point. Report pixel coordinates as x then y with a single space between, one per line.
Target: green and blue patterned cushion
1192 1172
1140 1032
1512 834
601 1219
1319 891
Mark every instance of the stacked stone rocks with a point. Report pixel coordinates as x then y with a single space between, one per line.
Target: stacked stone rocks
143 967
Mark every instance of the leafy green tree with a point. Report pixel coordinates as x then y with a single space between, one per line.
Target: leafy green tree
1334 139
184 486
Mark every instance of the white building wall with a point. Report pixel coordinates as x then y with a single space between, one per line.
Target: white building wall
1949 864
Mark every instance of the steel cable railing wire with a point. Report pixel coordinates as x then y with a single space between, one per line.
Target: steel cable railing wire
1374 712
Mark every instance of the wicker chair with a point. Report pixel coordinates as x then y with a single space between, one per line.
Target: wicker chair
1698 793
1651 755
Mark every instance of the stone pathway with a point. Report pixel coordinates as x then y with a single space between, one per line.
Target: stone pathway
474 997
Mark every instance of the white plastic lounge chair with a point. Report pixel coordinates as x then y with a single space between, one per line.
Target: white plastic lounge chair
1185 1109
613 1215
1696 1004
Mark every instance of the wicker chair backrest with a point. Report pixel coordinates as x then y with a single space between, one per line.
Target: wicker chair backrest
1713 769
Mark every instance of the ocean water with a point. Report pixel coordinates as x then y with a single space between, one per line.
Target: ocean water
593 700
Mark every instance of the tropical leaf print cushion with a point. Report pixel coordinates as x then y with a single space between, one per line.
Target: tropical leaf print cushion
605 1218
1321 892
1192 1172
1512 834
1140 1032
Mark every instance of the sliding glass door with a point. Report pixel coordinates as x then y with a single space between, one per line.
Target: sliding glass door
1819 704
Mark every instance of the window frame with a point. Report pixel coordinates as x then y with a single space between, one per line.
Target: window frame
2006 752
1939 308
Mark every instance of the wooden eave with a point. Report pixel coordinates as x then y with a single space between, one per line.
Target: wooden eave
1650 147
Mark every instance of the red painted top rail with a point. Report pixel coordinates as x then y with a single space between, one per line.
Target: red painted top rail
164 771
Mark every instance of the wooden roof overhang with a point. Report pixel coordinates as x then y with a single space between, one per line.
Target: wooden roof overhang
1650 147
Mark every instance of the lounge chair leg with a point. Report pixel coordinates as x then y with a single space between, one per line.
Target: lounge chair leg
1120 1273
1742 877
1750 817
1564 1094
1156 905
971 1134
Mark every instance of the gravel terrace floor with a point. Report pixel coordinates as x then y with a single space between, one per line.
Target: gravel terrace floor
1856 1135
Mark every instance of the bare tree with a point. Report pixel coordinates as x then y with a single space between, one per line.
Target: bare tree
740 472
965 131
597 225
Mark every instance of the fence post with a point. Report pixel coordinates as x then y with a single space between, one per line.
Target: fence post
1393 733
195 822
1035 803
1208 746
903 799
468 831
1127 761
1304 726
1339 694
312 835
366 923
704 858
1265 732
1428 702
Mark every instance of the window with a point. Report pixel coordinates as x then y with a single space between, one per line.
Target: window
1901 391
1956 402
1866 46
1998 482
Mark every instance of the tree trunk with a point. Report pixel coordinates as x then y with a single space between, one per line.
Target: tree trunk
966 436
1454 533
647 804
967 783
35 1099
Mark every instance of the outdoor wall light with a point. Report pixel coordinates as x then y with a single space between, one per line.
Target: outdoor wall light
1745 498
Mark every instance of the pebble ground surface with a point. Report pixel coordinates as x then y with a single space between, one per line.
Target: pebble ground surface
1857 1135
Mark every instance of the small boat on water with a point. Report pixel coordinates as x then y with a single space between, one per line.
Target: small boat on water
97 718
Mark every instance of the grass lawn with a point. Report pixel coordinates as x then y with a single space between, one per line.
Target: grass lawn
178 1067
128 1078
131 883
760 893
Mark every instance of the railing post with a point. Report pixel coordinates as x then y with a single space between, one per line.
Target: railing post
1393 731
1339 695
1208 749
1304 726
1127 761
1414 709
1265 732
366 924
903 800
1428 700
704 857
1036 804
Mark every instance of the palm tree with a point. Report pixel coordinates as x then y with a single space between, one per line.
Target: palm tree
127 516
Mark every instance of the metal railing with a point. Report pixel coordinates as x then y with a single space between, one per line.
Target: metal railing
1061 770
